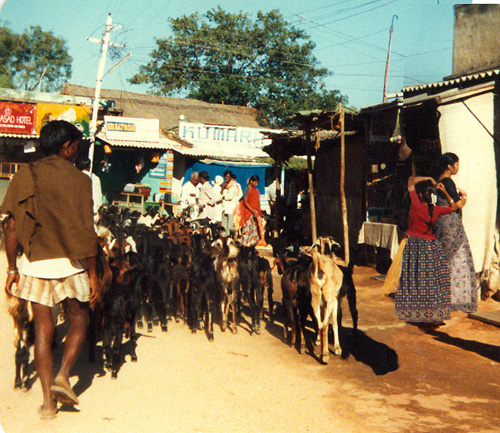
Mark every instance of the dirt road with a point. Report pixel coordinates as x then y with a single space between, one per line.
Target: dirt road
396 380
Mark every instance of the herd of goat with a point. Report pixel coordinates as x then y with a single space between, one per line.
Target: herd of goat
154 268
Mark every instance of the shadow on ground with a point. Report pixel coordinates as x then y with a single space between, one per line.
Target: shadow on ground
486 350
378 356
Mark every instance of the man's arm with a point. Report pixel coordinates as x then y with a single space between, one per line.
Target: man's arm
11 246
95 284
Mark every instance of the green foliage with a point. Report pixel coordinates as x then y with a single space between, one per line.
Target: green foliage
8 42
221 57
33 60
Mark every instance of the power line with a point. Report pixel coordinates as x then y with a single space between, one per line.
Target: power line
324 7
350 8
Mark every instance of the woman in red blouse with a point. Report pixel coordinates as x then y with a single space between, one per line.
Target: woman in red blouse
423 295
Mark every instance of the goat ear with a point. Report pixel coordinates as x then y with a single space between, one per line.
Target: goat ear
127 247
218 244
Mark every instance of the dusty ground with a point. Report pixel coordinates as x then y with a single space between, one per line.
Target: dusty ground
396 379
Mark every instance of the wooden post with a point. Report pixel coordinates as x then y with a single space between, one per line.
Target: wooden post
311 185
342 183
388 57
277 170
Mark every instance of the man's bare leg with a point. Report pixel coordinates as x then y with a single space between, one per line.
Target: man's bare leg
79 319
44 330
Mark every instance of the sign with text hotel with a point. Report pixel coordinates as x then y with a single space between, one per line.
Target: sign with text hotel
204 133
132 129
18 118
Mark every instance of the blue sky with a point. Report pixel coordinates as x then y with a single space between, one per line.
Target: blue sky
351 36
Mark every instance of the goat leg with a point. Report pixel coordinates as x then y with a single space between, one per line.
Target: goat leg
209 323
270 301
335 315
22 360
233 310
133 341
224 312
116 351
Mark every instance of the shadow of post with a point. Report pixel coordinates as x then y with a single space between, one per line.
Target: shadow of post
486 350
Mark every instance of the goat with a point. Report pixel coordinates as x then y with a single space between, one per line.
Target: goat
328 283
22 314
24 325
296 299
181 256
96 320
120 306
204 293
266 283
153 275
226 268
250 283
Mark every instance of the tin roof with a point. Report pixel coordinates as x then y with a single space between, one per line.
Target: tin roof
453 81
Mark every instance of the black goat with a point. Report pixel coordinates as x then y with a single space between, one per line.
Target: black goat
120 306
251 287
204 293
266 283
296 299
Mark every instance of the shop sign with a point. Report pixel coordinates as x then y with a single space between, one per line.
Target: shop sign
78 115
242 137
132 129
17 118
160 171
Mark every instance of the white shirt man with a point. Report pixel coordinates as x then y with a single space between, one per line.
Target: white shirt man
207 197
231 194
190 191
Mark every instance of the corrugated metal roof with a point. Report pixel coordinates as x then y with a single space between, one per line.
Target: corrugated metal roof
453 81
217 152
214 151
32 96
168 109
163 143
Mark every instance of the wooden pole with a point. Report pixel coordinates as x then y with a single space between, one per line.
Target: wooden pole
311 185
342 183
388 57
278 201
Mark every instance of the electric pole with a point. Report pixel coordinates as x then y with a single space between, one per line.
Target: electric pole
388 56
100 72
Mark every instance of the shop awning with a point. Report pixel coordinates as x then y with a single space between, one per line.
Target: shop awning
163 143
9 135
177 144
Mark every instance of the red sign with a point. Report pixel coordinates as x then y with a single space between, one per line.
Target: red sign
17 118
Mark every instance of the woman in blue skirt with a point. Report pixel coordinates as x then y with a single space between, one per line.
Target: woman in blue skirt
451 235
423 295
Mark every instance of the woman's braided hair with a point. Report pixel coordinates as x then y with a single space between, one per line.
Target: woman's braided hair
424 190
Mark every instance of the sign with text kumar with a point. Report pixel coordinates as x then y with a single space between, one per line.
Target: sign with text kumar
239 136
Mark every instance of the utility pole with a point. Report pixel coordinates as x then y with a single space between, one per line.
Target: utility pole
100 72
388 56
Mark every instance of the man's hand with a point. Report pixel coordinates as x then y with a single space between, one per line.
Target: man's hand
94 281
11 279
95 289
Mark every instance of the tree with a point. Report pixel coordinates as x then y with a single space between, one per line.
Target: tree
8 42
33 60
226 58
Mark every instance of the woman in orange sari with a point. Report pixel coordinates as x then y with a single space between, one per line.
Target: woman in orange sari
248 215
